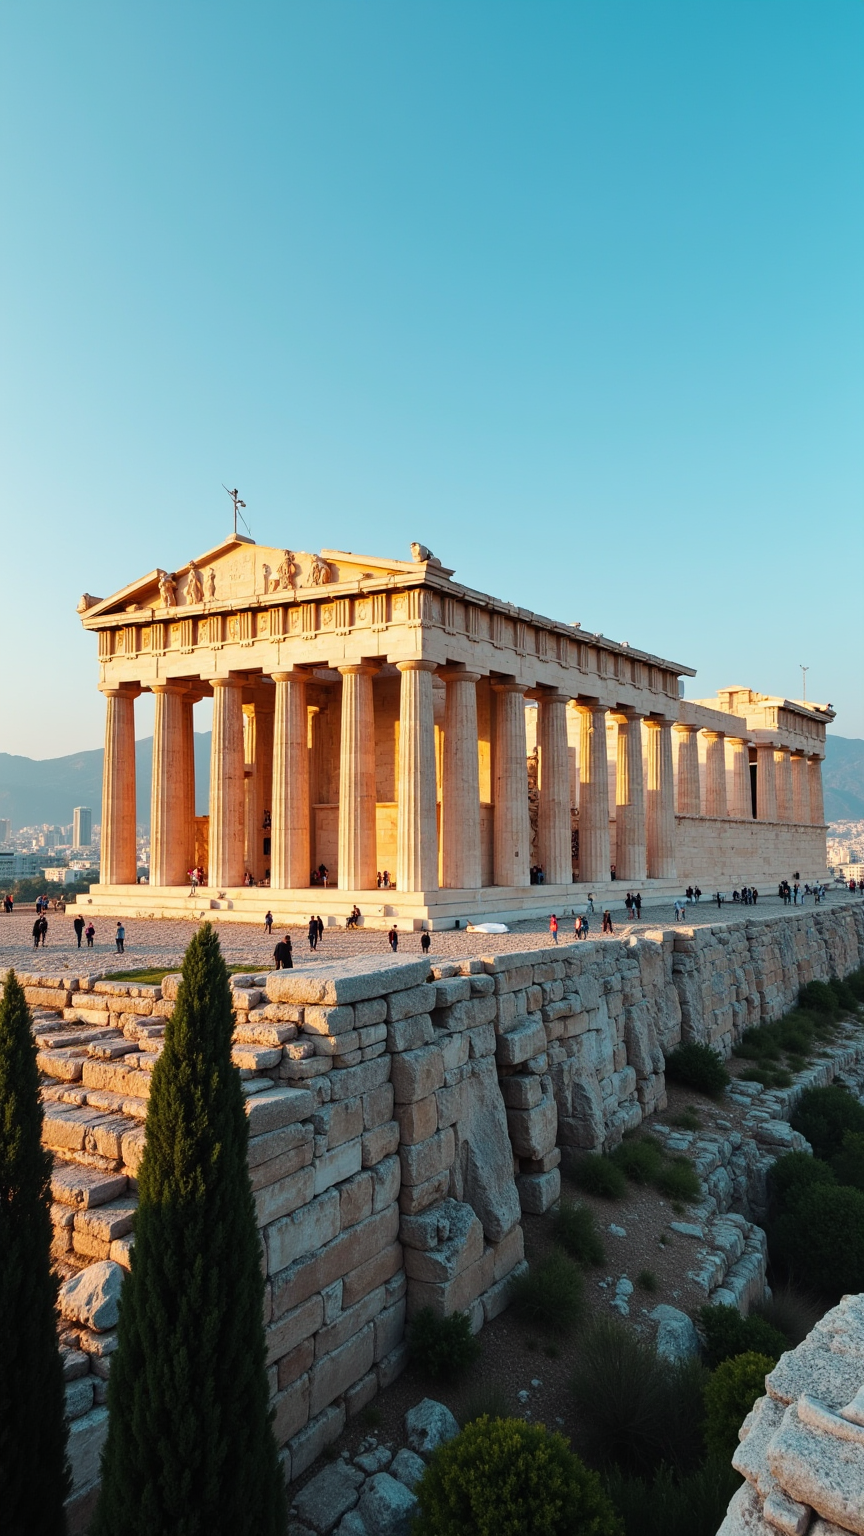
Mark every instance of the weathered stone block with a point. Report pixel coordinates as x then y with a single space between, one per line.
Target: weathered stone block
355 1199
414 1000
276 1108
378 1269
523 1042
418 1197
301 1323
285 1195
379 1143
334 1166
423 1160
305 1231
377 1106
386 1181
331 1375
292 1410
418 1120
416 1074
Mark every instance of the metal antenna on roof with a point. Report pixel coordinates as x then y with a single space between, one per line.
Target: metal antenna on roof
235 497
804 671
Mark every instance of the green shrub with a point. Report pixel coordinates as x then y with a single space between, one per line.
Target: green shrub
640 1160
550 1296
697 1066
648 1281
503 1477
844 997
730 1393
791 1311
820 1241
487 1401
824 1115
848 1164
687 1119
791 1175
817 997
597 1175
443 1347
574 1229
678 1180
855 983
636 1409
671 1505
727 1334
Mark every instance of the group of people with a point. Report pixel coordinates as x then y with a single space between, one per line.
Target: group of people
88 933
81 930
537 874
196 878
321 875
315 931
384 881
633 903
354 917
581 925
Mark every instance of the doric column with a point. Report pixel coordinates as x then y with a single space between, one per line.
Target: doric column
629 799
227 785
417 805
290 854
187 738
357 830
715 775
512 822
593 796
766 783
660 807
460 799
168 796
741 800
258 735
783 776
800 790
817 805
689 795
553 820
119 864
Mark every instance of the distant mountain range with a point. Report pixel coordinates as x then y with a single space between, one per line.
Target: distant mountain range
35 790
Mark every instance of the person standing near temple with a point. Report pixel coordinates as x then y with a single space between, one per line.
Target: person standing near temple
637 902
89 934
319 923
553 928
425 941
120 937
78 925
283 955
268 922
313 933
607 922
393 938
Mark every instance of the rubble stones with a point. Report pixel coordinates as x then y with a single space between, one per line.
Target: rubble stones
92 1296
429 1426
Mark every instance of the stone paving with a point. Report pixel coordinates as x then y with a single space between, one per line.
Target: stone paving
155 942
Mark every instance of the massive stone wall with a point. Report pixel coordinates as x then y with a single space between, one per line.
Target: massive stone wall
746 852
401 1118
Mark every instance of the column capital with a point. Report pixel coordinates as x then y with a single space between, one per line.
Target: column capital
227 682
291 675
543 695
508 685
122 691
359 668
458 675
625 716
657 722
417 666
684 728
711 735
170 686
739 741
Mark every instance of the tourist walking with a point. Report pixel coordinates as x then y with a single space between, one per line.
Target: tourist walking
268 922
283 955
628 902
78 925
590 901
585 929
607 922
577 928
313 933
193 881
320 926
393 938
89 934
425 941
120 937
37 930
553 928
637 902
679 910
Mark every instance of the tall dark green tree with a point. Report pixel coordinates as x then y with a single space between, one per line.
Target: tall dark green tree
190 1448
34 1474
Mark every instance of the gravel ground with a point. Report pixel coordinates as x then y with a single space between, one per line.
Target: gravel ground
153 942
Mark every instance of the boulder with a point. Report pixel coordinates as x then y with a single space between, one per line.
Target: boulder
482 1174
429 1426
386 1506
408 1467
328 1496
91 1296
677 1338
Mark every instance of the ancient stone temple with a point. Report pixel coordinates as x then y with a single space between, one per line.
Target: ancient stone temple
374 715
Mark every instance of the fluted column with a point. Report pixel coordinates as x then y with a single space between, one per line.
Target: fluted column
512 822
741 801
715 775
689 794
660 807
119 864
460 790
357 831
629 800
187 738
766 783
227 786
290 853
800 790
783 776
168 795
593 796
817 805
553 818
416 808
258 718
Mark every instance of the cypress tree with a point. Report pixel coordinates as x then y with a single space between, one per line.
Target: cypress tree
34 1474
190 1448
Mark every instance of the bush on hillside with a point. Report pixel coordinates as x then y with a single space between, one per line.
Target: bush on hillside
642 1160
843 994
503 1477
791 1175
730 1393
597 1175
791 1311
694 1505
824 1115
636 1409
820 1241
855 983
699 1067
818 997
727 1334
574 1230
847 1165
678 1180
550 1295
443 1347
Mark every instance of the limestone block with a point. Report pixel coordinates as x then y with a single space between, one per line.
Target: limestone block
744 1516
285 1195
76 1185
461 1248
377 1106
429 1426
389 1329
292 1329
346 981
304 1231
348 1081
373 1011
379 1143
272 1144
79 1397
328 1496
349 1323
105 1222
48 997
820 1467
521 1092
387 1506
455 1050
331 1375
87 1437
328 1021
451 1100
91 1296
468 1013
346 1047
292 1412
523 1042
410 1033
277 1107
539 1191
418 1120
424 1159
386 1180
355 1199
456 1294
481 1042
455 989
533 1131
482 1172
414 1000
416 1074
418 1197
376 1271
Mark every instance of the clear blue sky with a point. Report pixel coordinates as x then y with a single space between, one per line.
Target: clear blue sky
571 292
